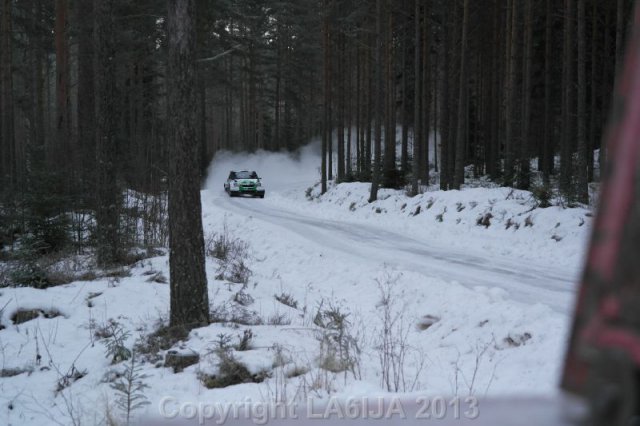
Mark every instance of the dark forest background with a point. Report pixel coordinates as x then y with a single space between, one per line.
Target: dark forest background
507 87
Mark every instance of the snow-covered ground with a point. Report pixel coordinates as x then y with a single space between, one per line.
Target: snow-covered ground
479 307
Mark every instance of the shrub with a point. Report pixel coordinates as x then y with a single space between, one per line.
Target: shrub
234 314
29 274
232 254
278 319
69 378
243 299
297 371
484 220
244 341
115 342
162 339
542 195
240 272
24 315
287 299
130 389
528 222
230 372
392 341
339 348
12 372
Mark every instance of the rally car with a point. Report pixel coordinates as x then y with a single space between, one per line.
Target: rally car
244 182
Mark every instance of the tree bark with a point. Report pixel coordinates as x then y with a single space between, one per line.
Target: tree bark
582 190
417 99
423 171
375 179
458 177
524 173
86 100
510 93
7 130
108 199
389 166
189 295
62 148
566 162
326 132
547 152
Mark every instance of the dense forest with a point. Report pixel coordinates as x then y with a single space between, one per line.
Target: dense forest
402 93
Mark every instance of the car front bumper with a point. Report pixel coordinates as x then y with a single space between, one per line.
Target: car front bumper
248 191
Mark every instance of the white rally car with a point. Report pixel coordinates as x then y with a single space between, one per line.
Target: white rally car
244 182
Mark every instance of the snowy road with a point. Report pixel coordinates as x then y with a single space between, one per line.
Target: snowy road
524 282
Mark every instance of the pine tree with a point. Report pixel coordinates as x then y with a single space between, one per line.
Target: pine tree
188 281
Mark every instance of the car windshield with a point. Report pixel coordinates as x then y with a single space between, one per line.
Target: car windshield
246 175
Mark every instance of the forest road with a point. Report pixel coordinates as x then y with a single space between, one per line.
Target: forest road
524 281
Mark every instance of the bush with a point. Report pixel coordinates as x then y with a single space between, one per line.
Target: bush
484 220
244 341
231 254
162 339
236 314
339 348
115 342
230 372
24 315
278 319
130 389
29 274
542 195
287 299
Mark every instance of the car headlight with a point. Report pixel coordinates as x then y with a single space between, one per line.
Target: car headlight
235 184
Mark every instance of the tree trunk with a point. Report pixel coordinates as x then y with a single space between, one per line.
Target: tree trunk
510 93
375 179
63 131
569 102
404 150
524 175
593 113
582 190
108 199
86 99
445 134
341 73
425 104
326 132
605 89
547 152
189 296
389 167
458 177
417 110
7 143
325 120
